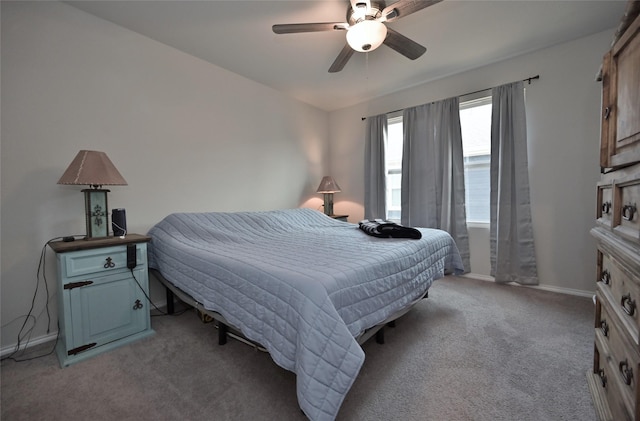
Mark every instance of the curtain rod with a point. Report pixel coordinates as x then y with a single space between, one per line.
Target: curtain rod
529 79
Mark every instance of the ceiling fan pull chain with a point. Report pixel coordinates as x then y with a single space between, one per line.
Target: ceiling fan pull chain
366 72
366 67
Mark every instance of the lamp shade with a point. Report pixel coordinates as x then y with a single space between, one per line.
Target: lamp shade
92 168
366 35
328 185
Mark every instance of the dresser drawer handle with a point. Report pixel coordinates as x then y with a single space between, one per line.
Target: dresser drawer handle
605 278
627 373
109 263
603 378
605 328
606 208
628 305
607 112
628 211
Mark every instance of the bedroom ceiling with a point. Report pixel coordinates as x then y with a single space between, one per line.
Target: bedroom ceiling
459 35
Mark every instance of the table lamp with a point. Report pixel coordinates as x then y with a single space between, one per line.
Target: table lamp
94 169
328 186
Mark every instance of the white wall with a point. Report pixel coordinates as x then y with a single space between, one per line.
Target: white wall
186 135
563 110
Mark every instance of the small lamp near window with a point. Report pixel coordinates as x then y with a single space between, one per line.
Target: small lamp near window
94 169
328 186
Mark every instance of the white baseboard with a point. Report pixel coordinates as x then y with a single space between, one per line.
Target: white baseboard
52 336
478 277
552 288
33 342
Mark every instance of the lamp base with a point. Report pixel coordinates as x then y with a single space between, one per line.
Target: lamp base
96 213
328 204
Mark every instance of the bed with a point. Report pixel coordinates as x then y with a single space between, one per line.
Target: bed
301 284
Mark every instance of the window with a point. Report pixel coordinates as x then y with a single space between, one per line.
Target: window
475 122
394 167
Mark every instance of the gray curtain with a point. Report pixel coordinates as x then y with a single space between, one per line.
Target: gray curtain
433 171
511 232
375 188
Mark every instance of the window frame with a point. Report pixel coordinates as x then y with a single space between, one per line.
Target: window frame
476 99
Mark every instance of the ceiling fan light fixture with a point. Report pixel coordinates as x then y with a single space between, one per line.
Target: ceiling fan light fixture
366 35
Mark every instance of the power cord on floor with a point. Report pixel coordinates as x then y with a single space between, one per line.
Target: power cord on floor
25 332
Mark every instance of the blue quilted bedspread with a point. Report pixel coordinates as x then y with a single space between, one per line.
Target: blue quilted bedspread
300 283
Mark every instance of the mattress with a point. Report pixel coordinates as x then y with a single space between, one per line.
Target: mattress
301 284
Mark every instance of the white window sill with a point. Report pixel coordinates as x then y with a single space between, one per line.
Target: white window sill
478 225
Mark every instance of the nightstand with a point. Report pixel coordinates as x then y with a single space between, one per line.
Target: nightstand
101 302
340 217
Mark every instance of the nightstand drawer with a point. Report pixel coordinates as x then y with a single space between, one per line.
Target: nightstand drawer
99 261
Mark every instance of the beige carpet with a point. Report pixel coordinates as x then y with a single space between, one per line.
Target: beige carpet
473 351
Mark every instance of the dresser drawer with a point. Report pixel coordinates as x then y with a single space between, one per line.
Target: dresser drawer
608 384
621 289
626 220
604 210
99 261
620 354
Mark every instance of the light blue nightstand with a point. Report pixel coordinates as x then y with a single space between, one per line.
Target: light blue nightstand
100 304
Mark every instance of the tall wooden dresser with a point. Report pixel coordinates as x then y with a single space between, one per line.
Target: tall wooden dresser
614 382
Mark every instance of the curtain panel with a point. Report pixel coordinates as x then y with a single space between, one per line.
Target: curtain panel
433 194
375 188
511 230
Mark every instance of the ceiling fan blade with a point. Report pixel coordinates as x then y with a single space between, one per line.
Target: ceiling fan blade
403 8
405 46
293 28
342 59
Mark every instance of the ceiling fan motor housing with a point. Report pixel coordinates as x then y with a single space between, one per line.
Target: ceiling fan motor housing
358 15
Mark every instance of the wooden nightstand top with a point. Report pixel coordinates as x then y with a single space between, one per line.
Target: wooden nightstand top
67 246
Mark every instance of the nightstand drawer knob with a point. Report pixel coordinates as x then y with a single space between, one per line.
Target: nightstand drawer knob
626 371
628 305
137 305
605 328
109 263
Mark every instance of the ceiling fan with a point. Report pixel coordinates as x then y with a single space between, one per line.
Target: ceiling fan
366 29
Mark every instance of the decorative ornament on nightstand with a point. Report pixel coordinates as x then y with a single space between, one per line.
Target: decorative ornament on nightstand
94 169
328 186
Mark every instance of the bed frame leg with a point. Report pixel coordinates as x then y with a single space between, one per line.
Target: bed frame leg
170 307
222 333
380 336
